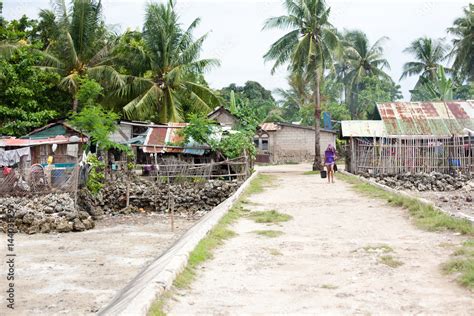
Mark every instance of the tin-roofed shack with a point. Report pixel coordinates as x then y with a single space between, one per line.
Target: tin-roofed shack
65 139
413 137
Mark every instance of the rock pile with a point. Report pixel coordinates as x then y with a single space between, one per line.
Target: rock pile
56 213
188 197
43 214
433 181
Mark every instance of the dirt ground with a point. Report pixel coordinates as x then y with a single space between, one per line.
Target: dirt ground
78 273
319 265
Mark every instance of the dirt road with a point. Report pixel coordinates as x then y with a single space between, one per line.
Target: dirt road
328 260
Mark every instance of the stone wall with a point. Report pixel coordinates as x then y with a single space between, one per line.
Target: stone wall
56 213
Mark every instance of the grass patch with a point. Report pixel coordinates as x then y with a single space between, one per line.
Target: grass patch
390 261
269 217
269 233
310 172
215 238
258 185
424 215
462 264
275 252
376 248
329 286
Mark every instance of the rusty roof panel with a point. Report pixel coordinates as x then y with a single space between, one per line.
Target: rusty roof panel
427 118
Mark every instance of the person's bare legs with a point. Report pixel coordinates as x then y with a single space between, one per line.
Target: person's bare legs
328 171
332 173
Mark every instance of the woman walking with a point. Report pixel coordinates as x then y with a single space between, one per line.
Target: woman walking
329 161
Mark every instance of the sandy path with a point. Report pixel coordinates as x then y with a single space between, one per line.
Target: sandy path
322 268
78 273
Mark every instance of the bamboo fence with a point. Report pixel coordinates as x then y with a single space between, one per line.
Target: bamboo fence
390 155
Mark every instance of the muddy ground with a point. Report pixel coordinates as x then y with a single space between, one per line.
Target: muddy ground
78 273
327 260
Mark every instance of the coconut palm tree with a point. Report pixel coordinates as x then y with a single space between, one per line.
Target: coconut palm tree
463 44
429 54
309 48
82 46
361 60
174 77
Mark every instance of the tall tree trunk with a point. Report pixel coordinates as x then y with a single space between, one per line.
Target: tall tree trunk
317 124
75 105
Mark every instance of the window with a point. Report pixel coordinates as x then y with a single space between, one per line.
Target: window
264 144
255 141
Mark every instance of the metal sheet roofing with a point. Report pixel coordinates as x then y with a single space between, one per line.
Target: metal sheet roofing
166 139
427 118
363 129
20 142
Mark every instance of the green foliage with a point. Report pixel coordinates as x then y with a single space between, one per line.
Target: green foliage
236 144
231 145
170 77
28 96
95 180
463 45
93 120
200 130
372 91
252 103
439 88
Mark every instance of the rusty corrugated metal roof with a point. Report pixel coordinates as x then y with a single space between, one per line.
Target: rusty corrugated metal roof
427 118
363 129
166 139
21 142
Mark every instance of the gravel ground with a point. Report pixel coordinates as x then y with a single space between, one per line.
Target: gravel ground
319 265
78 273
458 201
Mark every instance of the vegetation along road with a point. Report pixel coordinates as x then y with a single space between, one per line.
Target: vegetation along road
338 250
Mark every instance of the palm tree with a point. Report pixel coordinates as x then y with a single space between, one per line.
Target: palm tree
463 44
309 48
429 54
361 60
81 48
174 77
296 97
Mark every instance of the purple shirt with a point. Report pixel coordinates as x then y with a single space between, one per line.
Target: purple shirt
329 155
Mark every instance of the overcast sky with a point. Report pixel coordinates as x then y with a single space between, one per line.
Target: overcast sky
236 39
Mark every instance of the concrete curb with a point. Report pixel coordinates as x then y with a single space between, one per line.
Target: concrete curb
412 196
139 294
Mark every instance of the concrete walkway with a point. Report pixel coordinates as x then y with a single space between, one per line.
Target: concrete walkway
319 264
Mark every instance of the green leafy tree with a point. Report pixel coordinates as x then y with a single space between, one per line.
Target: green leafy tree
376 90
173 68
441 88
463 44
81 46
362 60
93 120
309 48
251 95
429 54
28 96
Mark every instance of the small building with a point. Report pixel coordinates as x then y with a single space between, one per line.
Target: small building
160 142
224 117
413 137
285 142
59 140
